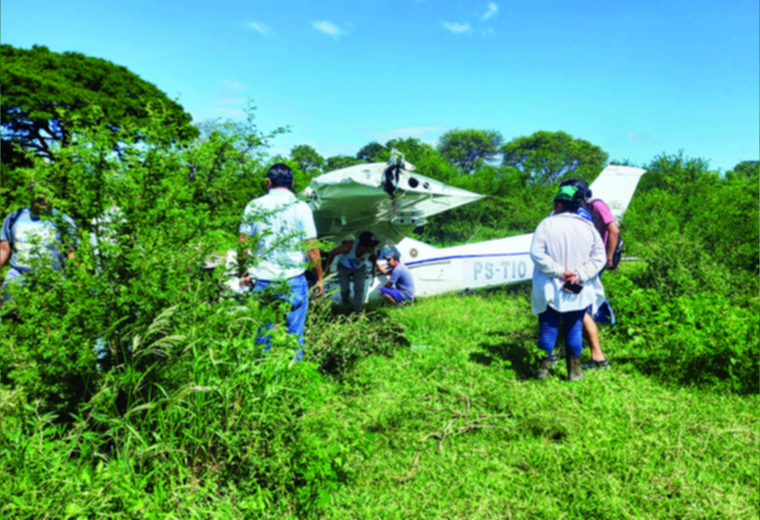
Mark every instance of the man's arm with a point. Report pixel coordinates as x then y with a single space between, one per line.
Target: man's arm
5 252
342 249
612 240
315 258
380 268
373 261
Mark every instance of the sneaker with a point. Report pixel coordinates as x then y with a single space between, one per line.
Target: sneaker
597 365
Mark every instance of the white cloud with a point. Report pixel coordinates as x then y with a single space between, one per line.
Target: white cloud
488 32
328 28
260 28
634 137
457 28
383 136
232 85
490 11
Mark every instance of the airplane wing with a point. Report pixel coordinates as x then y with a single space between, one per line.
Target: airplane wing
615 186
388 199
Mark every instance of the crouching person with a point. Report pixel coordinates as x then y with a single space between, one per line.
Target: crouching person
568 255
400 286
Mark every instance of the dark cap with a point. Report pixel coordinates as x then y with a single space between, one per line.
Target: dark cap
391 252
367 239
280 175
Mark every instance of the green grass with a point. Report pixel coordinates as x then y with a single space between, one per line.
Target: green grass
450 427
459 431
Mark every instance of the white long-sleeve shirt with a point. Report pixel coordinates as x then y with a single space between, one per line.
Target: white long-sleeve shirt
566 242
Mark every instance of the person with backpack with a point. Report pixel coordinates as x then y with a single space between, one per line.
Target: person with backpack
599 213
29 231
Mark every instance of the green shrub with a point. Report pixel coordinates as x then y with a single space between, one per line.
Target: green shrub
701 338
335 341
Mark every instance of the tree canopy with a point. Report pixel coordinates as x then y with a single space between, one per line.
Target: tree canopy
470 149
338 162
49 96
548 156
373 152
309 161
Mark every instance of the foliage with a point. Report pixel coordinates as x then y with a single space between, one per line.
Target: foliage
470 149
373 152
337 341
697 230
183 391
309 161
338 162
46 94
548 156
700 338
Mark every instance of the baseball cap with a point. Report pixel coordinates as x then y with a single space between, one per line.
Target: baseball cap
566 193
367 239
391 252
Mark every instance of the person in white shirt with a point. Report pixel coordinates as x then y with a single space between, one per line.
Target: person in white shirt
568 255
32 232
280 227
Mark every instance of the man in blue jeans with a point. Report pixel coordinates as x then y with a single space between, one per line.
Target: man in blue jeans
278 224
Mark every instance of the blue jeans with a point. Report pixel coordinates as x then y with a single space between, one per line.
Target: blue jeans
296 317
548 330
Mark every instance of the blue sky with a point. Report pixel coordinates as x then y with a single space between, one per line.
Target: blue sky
636 78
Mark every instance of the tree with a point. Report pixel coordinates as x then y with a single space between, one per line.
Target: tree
548 156
373 152
745 170
470 149
338 162
48 97
309 161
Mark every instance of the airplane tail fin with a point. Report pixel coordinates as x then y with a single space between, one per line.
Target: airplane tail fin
615 186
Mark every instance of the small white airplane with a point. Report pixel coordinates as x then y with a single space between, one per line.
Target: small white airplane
391 201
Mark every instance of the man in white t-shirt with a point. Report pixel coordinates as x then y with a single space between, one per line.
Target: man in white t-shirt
276 225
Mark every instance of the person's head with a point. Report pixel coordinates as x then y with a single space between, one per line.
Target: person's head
367 242
280 176
39 200
580 184
392 256
567 199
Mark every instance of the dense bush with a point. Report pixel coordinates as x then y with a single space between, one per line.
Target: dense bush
702 338
337 340
184 398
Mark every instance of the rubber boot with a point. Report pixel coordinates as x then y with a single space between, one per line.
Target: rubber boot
543 369
574 369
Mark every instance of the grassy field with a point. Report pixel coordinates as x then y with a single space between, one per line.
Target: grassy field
458 430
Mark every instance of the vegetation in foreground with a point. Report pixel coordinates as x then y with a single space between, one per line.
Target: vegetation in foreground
446 425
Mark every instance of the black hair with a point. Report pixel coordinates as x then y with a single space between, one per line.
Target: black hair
281 175
583 195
